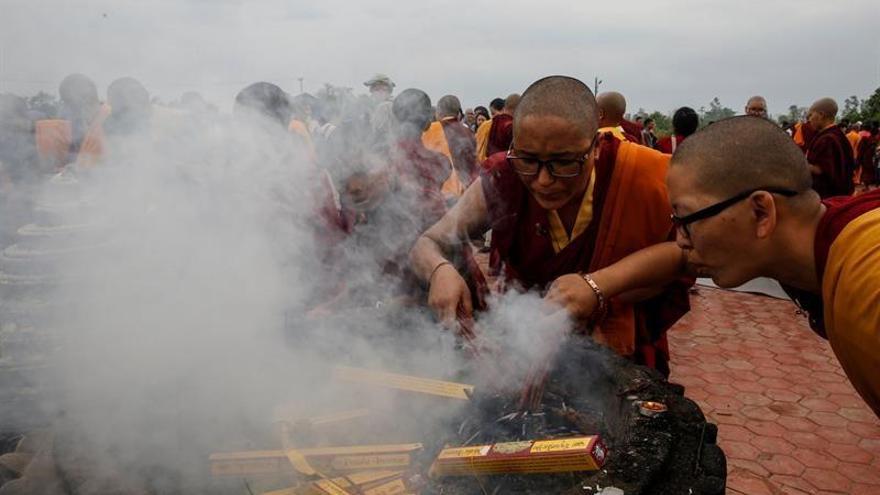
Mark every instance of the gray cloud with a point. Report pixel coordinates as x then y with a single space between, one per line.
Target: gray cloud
660 54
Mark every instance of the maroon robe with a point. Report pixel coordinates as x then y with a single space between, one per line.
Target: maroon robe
866 152
664 145
831 151
632 130
463 148
424 171
500 134
522 248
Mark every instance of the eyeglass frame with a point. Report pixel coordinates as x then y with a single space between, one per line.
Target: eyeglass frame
681 223
548 164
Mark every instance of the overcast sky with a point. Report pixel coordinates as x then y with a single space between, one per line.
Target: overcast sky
660 54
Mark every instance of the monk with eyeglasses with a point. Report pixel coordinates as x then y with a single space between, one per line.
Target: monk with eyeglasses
563 202
744 207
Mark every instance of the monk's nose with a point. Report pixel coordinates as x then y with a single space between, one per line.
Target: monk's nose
544 177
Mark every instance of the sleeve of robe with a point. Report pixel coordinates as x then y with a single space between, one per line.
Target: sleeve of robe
851 296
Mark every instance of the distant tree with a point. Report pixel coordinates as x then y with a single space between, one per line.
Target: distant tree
716 112
870 108
795 114
45 104
662 123
851 110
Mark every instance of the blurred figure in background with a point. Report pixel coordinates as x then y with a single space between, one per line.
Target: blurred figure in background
450 138
757 107
684 123
77 135
830 154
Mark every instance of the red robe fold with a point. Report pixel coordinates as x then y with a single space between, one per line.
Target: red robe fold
500 134
831 151
633 131
630 212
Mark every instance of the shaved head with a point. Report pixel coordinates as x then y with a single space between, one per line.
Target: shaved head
511 102
825 106
756 106
78 91
742 153
560 96
612 106
448 106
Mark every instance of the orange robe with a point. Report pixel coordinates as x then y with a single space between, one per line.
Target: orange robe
624 209
299 128
54 138
848 258
853 137
455 142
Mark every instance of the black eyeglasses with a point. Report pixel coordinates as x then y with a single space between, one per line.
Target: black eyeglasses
681 223
563 168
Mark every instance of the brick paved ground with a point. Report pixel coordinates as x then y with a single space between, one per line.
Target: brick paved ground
787 417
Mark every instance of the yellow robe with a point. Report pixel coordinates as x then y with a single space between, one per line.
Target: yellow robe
851 299
854 139
617 132
482 137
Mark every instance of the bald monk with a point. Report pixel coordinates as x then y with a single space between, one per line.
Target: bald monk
499 131
757 107
830 154
451 138
131 108
78 134
563 200
744 208
612 106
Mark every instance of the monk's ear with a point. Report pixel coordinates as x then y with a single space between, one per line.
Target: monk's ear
763 209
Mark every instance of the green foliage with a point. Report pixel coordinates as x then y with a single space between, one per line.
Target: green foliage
870 108
795 114
662 123
851 109
716 112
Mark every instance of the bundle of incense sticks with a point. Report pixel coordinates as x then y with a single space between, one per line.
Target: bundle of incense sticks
416 384
559 455
314 460
383 482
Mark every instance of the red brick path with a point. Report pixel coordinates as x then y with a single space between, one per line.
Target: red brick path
788 419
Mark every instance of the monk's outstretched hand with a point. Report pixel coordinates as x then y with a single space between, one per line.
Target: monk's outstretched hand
572 293
449 296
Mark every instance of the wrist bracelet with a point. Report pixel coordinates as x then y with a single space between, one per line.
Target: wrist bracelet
434 271
602 303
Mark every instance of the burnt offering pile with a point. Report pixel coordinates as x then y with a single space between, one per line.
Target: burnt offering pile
592 392
604 425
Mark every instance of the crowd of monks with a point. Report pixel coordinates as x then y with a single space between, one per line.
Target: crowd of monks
568 198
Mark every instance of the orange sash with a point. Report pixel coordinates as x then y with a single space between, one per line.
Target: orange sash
624 230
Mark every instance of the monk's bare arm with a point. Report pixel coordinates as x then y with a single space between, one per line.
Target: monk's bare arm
654 266
631 279
469 216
